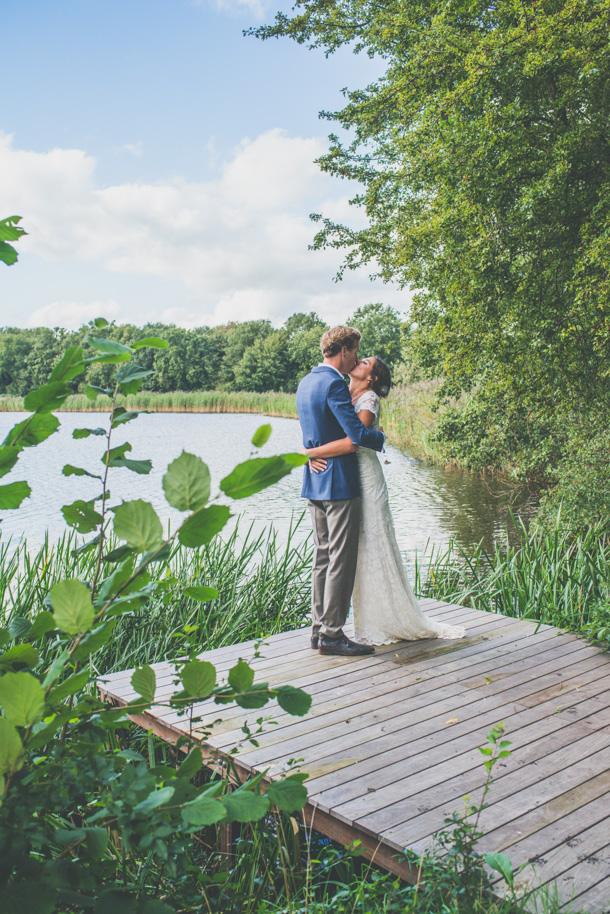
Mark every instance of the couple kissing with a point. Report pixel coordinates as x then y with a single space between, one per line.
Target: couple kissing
356 556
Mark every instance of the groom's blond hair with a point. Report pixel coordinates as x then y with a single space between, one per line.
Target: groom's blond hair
336 338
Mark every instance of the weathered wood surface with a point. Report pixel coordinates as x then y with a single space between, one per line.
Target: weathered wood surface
391 742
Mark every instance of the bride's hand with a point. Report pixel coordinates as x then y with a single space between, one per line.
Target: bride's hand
317 464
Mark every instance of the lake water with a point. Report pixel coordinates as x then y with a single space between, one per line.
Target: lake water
429 504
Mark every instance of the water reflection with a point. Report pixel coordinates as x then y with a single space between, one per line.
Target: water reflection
429 503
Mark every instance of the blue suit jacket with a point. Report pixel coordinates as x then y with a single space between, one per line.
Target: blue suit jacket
326 414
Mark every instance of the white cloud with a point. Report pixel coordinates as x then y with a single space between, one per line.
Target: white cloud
257 8
236 245
71 314
134 149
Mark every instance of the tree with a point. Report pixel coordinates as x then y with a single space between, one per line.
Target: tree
483 154
304 333
382 331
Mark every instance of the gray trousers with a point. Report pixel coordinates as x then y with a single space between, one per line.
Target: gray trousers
336 527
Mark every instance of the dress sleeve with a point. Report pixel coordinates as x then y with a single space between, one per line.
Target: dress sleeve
369 400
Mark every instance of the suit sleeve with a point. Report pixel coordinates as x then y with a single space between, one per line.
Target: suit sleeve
343 411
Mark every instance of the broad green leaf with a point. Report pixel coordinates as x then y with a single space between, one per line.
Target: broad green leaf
245 806
203 810
88 546
70 470
13 494
143 467
8 254
44 622
10 230
116 555
22 697
69 686
72 606
502 865
81 515
294 701
137 523
187 483
109 347
8 459
130 377
95 639
33 430
100 322
150 342
121 415
256 697
191 765
261 435
241 676
144 683
257 474
115 453
198 678
47 397
85 432
20 655
203 525
96 842
289 794
70 364
11 747
92 391
154 800
119 576
202 594
4 637
19 626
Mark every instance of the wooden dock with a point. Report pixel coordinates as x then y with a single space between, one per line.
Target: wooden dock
391 742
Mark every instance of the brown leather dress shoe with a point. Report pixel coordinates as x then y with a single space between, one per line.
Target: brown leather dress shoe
314 642
343 646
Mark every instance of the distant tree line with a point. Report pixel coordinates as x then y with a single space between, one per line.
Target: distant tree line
247 355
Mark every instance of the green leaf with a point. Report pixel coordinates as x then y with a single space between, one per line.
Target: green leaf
191 765
203 525
85 432
109 347
502 865
81 515
150 342
20 655
32 431
69 686
256 697
8 459
144 682
96 842
47 397
92 391
13 494
72 606
203 810
252 476
116 555
115 453
261 435
143 467
154 800
8 254
5 637
70 365
95 639
86 547
294 701
100 322
137 523
121 415
69 470
202 594
241 676
10 230
198 678
22 697
289 794
44 622
245 806
130 377
187 483
11 747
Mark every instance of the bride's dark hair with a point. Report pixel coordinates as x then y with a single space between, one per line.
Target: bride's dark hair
381 379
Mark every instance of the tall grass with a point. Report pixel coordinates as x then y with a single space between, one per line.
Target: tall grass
550 576
262 590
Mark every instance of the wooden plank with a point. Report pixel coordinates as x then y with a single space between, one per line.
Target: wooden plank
594 900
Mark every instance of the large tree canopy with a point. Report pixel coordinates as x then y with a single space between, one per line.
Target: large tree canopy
483 158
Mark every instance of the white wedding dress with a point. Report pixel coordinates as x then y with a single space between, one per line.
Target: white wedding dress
383 604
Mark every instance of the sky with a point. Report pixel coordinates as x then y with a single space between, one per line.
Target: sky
163 166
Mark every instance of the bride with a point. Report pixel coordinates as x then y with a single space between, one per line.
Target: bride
383 604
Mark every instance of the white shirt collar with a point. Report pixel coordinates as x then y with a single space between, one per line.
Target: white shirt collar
326 365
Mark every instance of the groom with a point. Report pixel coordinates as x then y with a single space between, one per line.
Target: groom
326 414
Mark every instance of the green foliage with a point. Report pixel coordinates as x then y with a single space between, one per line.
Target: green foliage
382 332
65 787
9 231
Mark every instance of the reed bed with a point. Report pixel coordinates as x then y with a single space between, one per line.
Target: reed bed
263 589
550 576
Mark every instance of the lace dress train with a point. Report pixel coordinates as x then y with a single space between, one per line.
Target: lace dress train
383 604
